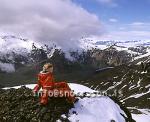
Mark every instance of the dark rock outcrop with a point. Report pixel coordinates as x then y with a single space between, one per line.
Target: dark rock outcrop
19 105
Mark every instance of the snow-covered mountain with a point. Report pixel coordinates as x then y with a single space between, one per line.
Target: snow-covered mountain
13 50
16 51
16 44
135 47
122 43
129 73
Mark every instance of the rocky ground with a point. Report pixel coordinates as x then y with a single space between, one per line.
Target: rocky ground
131 81
19 105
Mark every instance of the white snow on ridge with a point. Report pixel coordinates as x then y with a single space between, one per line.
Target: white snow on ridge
141 117
144 117
30 86
138 95
133 43
142 56
76 87
15 44
123 43
80 88
101 109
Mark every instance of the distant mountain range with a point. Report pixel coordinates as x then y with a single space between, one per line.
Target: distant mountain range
21 60
15 52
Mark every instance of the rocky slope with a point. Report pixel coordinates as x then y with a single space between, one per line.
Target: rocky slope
19 104
129 83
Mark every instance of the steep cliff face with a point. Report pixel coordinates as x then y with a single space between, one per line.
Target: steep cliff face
111 56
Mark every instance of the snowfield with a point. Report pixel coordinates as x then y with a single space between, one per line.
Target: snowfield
101 109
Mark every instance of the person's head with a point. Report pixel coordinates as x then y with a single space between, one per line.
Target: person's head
48 67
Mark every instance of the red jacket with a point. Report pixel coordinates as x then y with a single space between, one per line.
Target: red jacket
45 80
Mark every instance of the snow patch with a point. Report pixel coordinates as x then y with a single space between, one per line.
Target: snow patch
80 88
101 109
141 117
139 95
142 56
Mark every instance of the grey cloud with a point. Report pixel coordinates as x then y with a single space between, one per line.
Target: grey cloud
61 21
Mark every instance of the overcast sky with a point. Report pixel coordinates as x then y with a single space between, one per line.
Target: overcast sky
66 21
62 21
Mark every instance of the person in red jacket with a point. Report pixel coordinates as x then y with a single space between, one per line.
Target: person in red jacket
46 82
